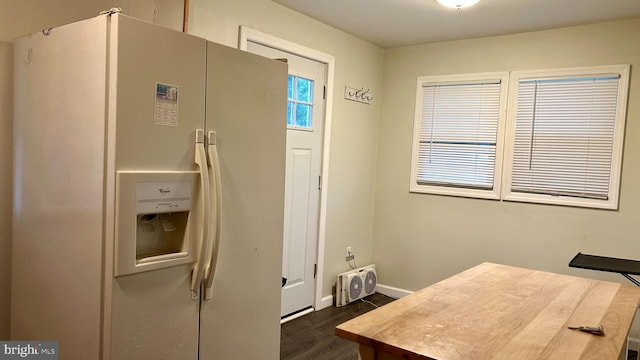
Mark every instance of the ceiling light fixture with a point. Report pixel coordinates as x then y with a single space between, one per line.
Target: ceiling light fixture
457 3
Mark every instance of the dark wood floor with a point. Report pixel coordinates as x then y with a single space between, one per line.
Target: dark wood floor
311 337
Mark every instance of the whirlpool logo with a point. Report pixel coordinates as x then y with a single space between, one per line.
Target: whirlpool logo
28 350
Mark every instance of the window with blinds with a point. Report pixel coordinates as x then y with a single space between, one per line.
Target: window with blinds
563 135
456 134
566 139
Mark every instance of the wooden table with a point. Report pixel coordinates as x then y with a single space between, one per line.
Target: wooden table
495 311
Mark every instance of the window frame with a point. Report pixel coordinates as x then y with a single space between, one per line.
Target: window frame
494 192
618 136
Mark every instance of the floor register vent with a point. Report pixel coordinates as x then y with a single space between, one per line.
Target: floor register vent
356 284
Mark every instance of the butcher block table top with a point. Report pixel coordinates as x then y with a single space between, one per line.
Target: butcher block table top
494 311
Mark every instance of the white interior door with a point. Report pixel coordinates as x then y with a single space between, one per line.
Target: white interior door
305 126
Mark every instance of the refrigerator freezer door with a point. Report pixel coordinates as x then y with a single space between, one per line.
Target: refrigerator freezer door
157 86
246 107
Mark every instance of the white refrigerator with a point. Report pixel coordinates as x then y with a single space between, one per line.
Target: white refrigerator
148 194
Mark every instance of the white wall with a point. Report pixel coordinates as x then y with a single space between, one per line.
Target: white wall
6 175
420 239
354 128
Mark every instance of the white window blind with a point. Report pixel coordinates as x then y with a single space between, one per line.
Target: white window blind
564 136
458 133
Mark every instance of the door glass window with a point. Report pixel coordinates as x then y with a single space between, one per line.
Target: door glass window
300 103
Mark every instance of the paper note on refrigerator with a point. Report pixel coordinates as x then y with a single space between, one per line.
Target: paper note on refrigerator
166 112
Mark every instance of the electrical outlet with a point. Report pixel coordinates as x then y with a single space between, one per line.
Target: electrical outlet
350 254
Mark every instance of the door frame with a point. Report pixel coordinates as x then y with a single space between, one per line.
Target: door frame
248 34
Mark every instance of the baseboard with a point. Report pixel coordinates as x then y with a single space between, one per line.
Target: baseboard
325 302
633 343
392 291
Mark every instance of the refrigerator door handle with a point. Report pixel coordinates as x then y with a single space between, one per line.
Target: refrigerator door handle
205 213
215 178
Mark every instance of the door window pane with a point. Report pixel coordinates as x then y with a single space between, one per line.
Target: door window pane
289 113
303 115
290 87
304 90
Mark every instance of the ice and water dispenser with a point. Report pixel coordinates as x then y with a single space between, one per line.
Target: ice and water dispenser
155 222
